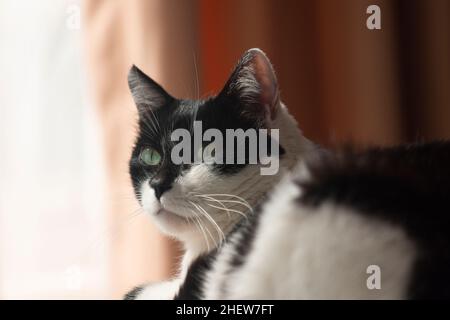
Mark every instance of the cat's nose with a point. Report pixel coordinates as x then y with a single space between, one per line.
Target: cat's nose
159 188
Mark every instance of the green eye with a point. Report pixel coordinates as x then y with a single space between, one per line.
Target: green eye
150 157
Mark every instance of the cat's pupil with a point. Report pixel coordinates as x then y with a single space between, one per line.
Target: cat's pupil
150 157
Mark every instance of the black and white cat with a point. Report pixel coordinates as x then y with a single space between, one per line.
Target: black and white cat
317 229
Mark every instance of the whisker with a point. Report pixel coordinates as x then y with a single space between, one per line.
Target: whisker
197 225
197 84
208 216
227 209
203 211
197 219
242 200
154 117
215 200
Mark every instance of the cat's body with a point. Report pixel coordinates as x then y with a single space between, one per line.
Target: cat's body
321 233
332 223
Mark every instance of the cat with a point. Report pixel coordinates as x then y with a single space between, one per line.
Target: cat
327 225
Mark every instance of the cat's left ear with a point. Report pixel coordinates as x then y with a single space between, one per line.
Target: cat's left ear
146 92
254 87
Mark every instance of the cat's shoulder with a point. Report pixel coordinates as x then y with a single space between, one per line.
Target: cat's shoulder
407 177
407 185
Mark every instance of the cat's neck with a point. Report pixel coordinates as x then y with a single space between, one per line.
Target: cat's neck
296 146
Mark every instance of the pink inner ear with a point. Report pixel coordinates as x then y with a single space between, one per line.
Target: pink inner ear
267 80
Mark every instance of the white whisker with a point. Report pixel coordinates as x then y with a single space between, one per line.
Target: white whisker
229 210
202 228
242 201
213 222
199 227
215 200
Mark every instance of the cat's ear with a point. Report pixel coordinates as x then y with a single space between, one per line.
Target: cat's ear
146 92
254 86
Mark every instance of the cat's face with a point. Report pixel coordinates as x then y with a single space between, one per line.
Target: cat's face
198 201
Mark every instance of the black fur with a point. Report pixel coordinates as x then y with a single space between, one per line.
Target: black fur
408 186
133 293
241 249
192 287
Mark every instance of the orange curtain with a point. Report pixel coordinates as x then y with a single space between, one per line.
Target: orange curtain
343 82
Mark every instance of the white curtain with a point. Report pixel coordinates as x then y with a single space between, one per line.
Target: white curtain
53 229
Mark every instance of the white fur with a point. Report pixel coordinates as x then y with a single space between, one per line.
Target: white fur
160 291
316 253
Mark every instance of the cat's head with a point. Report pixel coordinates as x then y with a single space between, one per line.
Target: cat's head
198 200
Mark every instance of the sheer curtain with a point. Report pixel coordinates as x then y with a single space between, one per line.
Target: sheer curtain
69 224
53 242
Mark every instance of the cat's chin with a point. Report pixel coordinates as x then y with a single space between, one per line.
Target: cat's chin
170 216
179 227
170 222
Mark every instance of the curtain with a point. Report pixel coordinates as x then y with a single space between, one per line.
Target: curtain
343 82
52 243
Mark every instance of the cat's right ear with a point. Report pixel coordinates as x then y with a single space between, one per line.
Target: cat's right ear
146 92
253 88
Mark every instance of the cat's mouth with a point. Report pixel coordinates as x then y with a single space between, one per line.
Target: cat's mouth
164 211
171 206
170 217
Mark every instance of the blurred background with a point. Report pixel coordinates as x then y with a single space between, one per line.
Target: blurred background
69 224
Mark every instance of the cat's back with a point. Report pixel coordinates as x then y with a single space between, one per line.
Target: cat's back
362 225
